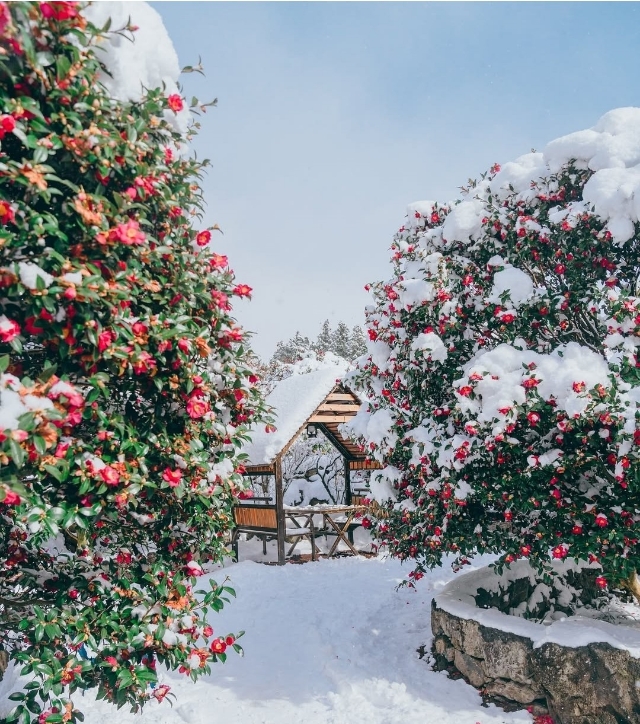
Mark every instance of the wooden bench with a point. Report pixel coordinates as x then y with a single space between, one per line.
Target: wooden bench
261 520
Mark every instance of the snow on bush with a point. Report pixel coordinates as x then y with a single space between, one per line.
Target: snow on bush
504 386
124 387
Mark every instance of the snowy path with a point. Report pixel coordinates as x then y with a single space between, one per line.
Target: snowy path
330 642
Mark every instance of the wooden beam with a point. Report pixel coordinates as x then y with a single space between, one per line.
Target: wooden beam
258 470
330 418
324 407
365 465
339 397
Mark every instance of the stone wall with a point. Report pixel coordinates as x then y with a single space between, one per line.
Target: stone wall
592 684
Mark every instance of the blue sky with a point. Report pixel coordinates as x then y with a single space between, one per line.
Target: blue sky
332 117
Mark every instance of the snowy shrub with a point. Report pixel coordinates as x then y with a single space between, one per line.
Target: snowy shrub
503 364
124 393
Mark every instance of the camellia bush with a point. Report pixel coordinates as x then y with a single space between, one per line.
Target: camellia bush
124 391
502 367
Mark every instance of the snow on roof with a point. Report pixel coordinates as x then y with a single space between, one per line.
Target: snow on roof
294 400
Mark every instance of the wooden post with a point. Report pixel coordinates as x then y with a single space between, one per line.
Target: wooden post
280 510
347 482
347 493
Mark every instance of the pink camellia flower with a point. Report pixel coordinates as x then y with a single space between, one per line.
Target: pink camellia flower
560 551
110 475
218 646
173 477
9 329
203 238
112 661
7 125
5 17
129 233
218 261
533 418
61 450
161 691
184 345
242 290
59 11
175 102
11 497
139 329
197 408
194 569
105 340
144 363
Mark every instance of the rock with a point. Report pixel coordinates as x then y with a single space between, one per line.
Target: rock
514 692
507 656
470 668
588 683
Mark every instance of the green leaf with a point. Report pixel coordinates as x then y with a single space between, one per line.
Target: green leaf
17 453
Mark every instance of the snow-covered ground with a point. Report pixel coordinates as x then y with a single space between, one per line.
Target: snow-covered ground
330 642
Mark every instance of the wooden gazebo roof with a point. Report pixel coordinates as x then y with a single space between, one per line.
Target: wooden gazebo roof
339 405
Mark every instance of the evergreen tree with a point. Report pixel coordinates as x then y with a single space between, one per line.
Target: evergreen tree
294 350
323 343
357 344
341 341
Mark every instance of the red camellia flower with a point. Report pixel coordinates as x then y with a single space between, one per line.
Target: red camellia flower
533 418
175 102
203 238
578 386
7 214
5 17
9 330
560 551
144 363
129 233
105 340
11 498
525 550
184 345
110 475
465 391
59 11
601 520
242 290
197 408
576 530
218 261
601 582
173 477
218 646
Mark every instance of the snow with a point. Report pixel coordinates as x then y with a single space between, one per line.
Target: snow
331 642
464 222
457 598
517 283
148 61
30 272
294 399
505 368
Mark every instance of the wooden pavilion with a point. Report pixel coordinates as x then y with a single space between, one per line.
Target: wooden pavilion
314 399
